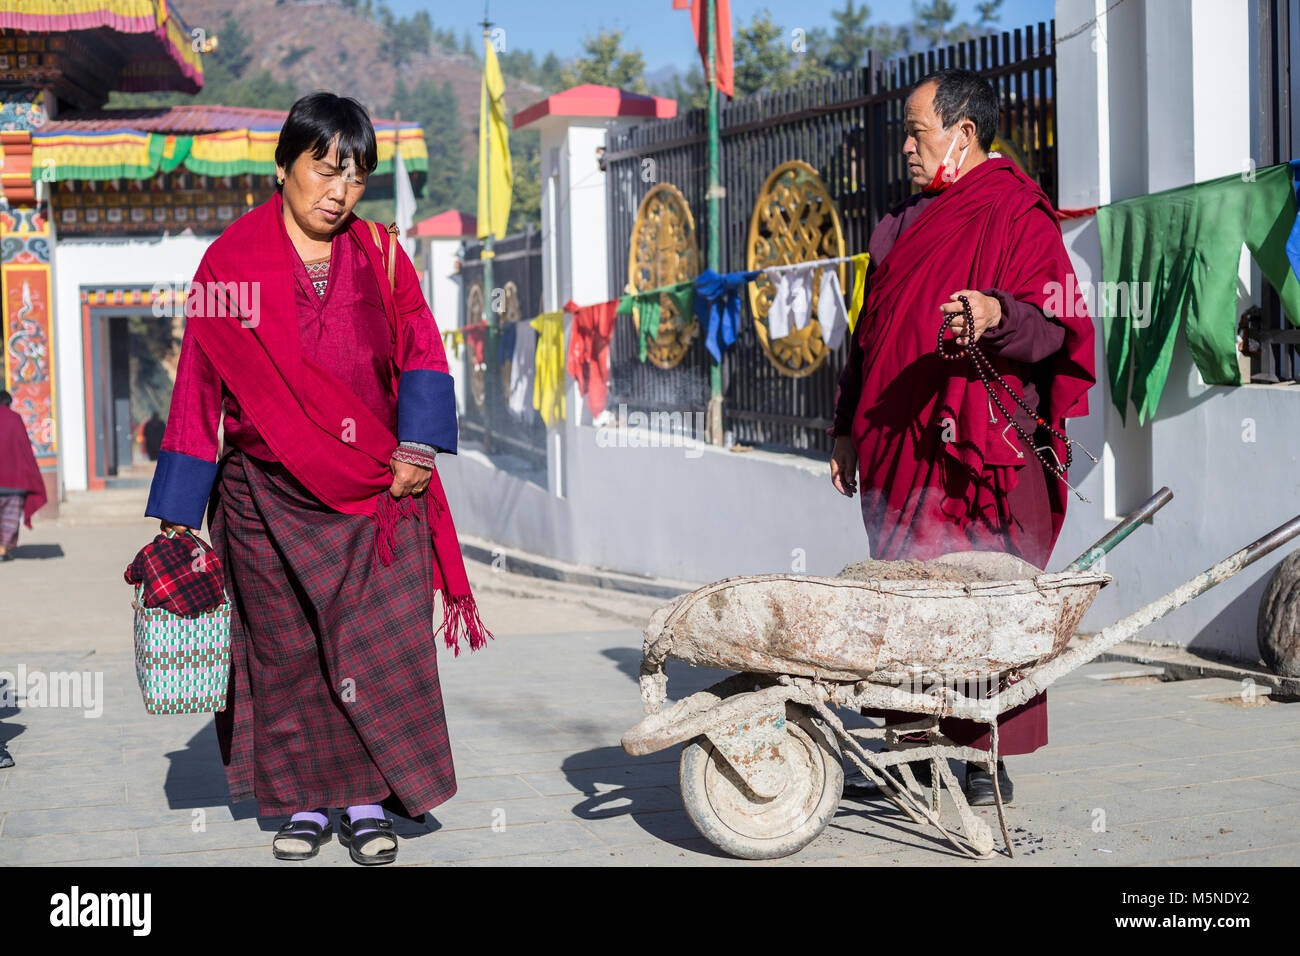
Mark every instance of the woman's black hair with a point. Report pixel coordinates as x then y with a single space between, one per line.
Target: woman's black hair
314 121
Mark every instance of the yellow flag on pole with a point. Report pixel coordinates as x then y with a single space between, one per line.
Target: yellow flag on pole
495 179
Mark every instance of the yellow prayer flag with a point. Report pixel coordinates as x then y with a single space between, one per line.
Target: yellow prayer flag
548 384
495 178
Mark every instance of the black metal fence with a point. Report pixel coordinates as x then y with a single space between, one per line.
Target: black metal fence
1271 340
850 128
517 297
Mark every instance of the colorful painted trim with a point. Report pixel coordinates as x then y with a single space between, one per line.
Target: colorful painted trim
426 409
156 17
412 454
131 154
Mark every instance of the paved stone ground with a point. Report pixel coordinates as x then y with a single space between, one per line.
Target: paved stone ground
535 725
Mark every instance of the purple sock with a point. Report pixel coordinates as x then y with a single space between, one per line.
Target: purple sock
319 815
365 811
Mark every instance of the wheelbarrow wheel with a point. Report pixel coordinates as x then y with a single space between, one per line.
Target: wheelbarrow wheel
739 822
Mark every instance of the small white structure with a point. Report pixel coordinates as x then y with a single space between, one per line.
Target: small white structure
437 244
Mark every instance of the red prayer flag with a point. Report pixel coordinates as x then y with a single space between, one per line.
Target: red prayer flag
722 48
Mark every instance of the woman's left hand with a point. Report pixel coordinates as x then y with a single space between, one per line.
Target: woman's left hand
408 479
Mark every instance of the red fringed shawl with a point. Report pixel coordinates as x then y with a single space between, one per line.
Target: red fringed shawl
315 425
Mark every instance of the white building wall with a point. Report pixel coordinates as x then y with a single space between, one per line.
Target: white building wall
443 293
97 264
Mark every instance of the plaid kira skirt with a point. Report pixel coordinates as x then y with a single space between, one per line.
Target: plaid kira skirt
334 698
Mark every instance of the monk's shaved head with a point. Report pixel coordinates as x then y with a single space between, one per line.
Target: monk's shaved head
963 94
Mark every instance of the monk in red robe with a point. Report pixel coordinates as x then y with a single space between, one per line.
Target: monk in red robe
940 469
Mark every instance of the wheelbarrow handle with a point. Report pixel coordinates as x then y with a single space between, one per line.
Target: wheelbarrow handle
1121 531
1127 627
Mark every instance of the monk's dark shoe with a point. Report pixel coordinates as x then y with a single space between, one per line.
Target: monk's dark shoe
5 759
857 784
979 785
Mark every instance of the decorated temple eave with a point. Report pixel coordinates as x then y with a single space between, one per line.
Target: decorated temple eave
138 144
159 46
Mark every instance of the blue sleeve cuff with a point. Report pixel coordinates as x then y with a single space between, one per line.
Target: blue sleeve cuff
426 409
180 489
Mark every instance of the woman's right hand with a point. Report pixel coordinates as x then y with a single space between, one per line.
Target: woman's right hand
167 527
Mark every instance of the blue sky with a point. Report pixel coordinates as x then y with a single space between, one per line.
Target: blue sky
663 34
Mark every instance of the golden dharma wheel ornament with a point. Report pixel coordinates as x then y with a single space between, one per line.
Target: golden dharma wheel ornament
795 220
664 253
473 315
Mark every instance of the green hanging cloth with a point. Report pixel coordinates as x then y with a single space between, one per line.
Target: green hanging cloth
1173 256
645 306
166 152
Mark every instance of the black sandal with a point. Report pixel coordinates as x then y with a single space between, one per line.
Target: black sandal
372 830
304 831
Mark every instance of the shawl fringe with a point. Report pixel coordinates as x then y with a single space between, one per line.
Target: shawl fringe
460 616
459 611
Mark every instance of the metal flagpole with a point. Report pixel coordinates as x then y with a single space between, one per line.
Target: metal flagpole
713 195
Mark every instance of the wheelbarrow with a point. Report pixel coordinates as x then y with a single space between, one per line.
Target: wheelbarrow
762 772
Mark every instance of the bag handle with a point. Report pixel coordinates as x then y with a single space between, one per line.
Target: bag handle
392 247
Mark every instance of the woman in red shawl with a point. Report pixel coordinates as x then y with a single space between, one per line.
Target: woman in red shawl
325 507
22 492
940 469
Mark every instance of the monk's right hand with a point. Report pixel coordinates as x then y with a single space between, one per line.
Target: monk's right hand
167 526
844 466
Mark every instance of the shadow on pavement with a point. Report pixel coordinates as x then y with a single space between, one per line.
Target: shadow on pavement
10 730
648 794
196 778
38 552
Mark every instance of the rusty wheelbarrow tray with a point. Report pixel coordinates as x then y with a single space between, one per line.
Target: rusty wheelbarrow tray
762 773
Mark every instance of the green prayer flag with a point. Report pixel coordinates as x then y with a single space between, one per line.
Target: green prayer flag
646 305
1172 257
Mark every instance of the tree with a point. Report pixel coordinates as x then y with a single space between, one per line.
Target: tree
931 22
450 181
607 65
760 57
526 164
550 75
690 95
851 39
232 47
989 14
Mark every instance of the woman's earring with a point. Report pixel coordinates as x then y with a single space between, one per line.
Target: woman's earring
279 180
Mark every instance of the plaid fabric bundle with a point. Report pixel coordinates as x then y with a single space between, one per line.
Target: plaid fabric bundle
179 573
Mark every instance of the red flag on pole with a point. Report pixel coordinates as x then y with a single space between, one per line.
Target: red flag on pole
722 49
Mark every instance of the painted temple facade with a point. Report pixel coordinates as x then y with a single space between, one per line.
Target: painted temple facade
106 213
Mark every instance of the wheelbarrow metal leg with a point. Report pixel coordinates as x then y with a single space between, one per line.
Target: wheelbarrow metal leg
866 761
997 790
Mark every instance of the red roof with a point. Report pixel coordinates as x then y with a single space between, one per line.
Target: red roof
450 224
592 100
